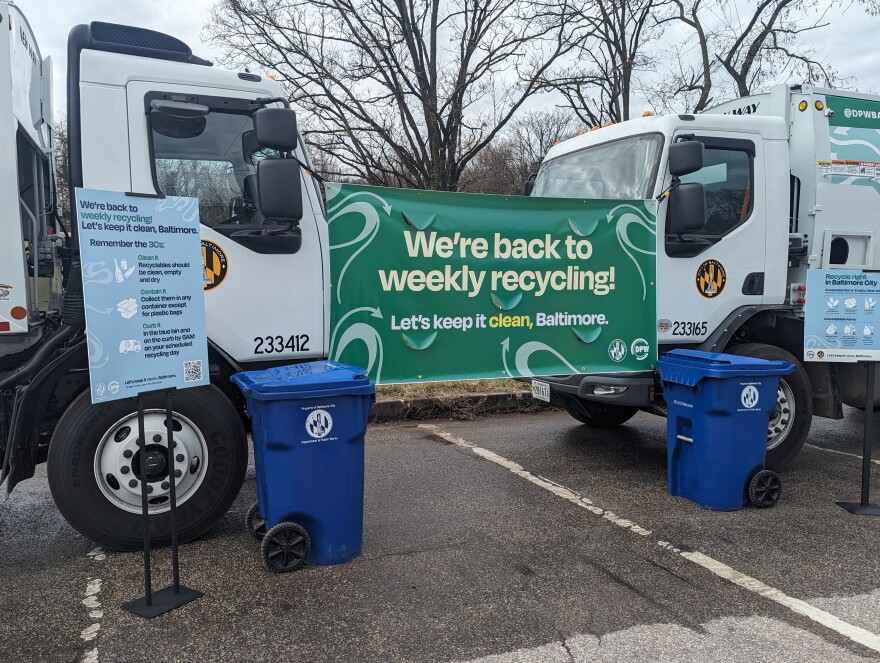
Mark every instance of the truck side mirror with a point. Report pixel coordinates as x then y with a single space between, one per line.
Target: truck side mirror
275 128
687 208
280 189
529 184
685 157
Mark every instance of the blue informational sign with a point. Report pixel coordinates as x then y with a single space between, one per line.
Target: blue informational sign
143 283
842 315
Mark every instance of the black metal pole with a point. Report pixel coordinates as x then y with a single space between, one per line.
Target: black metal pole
145 506
869 435
865 508
172 487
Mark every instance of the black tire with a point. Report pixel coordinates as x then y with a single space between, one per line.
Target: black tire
781 452
285 547
765 489
256 524
75 488
597 415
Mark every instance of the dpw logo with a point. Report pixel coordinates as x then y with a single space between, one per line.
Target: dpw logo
749 397
640 349
617 350
319 424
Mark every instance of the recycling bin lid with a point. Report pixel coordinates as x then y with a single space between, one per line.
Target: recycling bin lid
300 379
688 367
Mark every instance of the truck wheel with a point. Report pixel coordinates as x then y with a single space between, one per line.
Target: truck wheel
791 418
94 466
598 415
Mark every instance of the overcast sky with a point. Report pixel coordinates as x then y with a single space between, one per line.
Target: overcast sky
848 43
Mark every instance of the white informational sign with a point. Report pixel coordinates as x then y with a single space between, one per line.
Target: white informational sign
842 316
143 282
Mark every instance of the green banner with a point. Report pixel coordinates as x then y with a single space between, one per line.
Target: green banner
849 112
430 286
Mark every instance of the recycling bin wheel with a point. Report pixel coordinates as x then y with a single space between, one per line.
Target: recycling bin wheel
285 547
255 523
765 488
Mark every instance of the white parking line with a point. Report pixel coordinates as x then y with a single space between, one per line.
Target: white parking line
826 619
840 453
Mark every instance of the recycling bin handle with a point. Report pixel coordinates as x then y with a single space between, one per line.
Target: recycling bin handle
683 438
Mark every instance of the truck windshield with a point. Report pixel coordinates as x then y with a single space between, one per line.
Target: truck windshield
212 158
620 169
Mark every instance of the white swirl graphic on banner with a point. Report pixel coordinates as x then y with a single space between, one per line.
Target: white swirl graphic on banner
634 217
364 238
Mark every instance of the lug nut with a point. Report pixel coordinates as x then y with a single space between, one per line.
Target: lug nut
178 473
165 485
179 458
133 483
157 438
125 470
127 453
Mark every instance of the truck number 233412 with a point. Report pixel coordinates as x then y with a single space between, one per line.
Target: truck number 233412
266 345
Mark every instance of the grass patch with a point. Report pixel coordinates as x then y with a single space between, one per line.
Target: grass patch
450 389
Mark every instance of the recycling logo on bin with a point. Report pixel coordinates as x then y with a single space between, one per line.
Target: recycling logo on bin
749 397
319 423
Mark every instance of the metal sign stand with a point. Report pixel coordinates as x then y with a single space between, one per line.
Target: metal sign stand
154 604
865 508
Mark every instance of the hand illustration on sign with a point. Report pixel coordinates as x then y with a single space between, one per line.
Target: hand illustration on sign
123 271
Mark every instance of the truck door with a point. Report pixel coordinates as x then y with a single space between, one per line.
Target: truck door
698 288
263 302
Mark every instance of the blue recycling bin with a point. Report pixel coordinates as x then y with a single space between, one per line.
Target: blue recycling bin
718 410
309 422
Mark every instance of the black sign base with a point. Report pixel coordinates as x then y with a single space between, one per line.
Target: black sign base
861 509
154 604
163 601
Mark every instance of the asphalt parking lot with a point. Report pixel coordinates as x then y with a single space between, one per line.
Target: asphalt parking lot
511 538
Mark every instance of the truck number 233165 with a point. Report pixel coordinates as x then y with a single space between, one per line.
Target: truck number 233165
680 328
266 345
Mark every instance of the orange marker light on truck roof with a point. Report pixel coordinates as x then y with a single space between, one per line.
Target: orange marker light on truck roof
648 114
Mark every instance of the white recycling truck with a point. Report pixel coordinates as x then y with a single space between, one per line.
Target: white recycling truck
146 117
760 190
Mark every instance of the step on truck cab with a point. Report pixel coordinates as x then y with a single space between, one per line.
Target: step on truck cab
762 189
145 117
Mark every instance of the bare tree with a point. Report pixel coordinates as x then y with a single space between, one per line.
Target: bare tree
612 50
59 153
724 51
394 91
505 165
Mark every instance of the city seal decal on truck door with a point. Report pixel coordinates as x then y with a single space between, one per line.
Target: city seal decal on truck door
216 265
711 278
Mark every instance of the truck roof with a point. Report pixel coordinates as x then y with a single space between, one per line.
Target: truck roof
768 126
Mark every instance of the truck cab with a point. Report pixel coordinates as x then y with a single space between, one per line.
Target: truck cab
146 118
769 198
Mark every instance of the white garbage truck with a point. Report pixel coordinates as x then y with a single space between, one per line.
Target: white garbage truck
760 189
146 117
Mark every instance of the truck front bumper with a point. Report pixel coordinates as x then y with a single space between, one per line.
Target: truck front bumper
632 389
